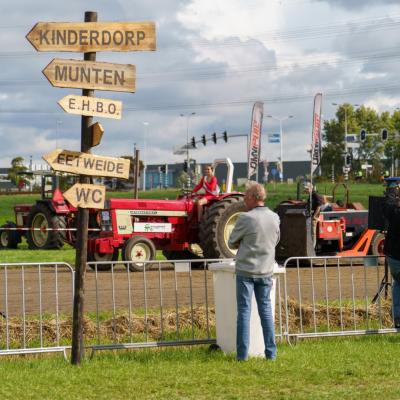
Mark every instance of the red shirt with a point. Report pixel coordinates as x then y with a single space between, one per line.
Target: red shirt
209 187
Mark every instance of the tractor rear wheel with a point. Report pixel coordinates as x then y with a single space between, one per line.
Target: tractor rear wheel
100 257
377 244
9 239
136 250
41 218
216 227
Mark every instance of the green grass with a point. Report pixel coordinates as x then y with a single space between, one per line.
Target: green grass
346 368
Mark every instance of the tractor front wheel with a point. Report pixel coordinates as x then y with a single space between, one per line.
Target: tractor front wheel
102 257
136 251
377 244
9 239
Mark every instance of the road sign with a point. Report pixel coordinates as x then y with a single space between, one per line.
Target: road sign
91 75
93 36
76 162
97 133
86 195
91 106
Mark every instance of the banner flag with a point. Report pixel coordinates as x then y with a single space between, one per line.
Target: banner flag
254 148
316 144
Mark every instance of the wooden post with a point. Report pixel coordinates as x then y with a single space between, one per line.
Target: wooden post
77 352
137 168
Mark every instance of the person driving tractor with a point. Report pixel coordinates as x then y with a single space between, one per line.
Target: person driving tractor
208 183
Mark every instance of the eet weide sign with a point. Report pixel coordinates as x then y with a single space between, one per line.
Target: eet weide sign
91 75
91 106
85 195
93 36
76 162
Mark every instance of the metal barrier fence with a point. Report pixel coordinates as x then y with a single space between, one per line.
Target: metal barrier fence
171 303
167 303
337 296
33 299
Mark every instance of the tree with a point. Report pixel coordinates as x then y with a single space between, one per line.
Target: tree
16 172
182 179
370 150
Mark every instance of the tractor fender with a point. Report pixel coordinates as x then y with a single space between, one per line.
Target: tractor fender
59 209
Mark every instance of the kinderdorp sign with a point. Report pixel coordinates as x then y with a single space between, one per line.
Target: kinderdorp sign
76 162
93 36
91 106
91 75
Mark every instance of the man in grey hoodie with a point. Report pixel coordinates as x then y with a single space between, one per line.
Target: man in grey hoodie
255 235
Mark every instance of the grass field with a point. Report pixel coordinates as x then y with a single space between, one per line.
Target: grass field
276 194
347 368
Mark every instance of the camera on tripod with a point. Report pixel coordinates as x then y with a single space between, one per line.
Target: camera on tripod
376 219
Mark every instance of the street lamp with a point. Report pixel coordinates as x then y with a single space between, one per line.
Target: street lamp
281 119
146 124
346 172
187 141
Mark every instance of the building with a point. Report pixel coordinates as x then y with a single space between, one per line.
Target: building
155 178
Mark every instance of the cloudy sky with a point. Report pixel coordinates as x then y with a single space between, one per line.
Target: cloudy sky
213 58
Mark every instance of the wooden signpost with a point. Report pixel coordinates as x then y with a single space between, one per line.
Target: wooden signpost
93 36
76 162
91 75
89 37
86 195
91 106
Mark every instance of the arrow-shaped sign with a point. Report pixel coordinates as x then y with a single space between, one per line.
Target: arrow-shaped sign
93 36
91 75
91 106
76 162
96 133
86 195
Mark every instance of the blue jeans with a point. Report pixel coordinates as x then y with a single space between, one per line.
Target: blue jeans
394 266
244 293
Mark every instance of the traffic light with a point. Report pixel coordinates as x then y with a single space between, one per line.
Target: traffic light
384 134
347 160
225 136
203 139
193 142
363 134
163 168
214 138
185 166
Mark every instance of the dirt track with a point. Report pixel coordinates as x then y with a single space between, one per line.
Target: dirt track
130 290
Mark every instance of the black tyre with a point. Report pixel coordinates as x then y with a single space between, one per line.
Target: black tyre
39 219
3 237
9 239
377 244
216 226
101 257
138 249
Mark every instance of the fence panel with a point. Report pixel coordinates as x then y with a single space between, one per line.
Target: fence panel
35 307
166 303
333 296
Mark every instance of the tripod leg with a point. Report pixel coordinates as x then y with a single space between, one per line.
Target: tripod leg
384 284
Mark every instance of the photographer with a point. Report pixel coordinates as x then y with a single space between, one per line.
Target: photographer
391 210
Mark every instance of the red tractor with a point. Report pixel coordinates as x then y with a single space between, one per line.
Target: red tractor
43 223
140 227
